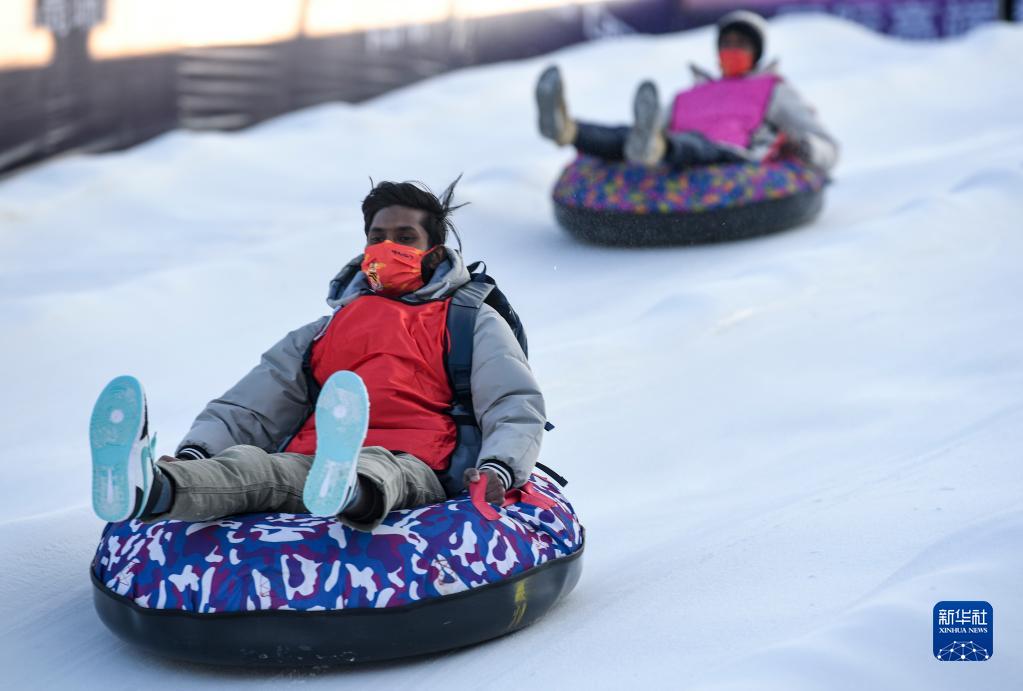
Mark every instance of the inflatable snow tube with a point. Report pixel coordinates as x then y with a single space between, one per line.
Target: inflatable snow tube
624 204
297 590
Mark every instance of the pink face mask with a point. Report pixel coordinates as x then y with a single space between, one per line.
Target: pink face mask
393 269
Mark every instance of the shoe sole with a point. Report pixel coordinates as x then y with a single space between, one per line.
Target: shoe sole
646 110
342 418
117 423
548 94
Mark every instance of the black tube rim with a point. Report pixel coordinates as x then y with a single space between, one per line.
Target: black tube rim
623 229
289 638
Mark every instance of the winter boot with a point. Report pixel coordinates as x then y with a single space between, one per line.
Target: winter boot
122 452
645 143
550 103
342 418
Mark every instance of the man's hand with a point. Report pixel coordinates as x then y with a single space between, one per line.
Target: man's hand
495 486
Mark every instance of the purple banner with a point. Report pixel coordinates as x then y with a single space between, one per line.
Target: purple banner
914 19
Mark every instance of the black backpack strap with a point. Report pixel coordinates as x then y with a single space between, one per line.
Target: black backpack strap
462 312
560 479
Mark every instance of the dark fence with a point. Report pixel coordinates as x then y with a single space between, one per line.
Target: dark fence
75 101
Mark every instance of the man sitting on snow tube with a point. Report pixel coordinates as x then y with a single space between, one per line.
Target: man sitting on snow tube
748 115
252 448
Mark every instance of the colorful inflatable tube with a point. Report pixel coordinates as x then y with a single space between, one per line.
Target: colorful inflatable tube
297 590
616 203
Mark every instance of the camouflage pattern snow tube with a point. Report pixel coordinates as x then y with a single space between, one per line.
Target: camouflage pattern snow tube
294 590
627 204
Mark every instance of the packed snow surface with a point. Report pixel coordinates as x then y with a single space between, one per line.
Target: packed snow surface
786 451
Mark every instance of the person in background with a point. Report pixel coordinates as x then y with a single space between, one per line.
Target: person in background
749 113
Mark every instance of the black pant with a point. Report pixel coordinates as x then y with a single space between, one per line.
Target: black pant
684 148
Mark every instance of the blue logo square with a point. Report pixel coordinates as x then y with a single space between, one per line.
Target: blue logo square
964 631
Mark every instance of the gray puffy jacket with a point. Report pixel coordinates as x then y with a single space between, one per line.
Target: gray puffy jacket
272 401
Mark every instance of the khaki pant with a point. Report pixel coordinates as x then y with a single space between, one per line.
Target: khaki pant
246 479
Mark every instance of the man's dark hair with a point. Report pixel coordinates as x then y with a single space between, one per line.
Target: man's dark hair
414 195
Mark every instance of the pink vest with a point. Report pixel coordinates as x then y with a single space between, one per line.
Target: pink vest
727 111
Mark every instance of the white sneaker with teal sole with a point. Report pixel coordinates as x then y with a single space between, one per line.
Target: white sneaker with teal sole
122 452
342 418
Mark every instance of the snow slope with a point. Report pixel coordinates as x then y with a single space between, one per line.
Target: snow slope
785 451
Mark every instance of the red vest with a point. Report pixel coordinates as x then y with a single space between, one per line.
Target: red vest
398 350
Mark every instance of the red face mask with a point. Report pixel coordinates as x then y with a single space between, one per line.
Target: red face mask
735 62
393 269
